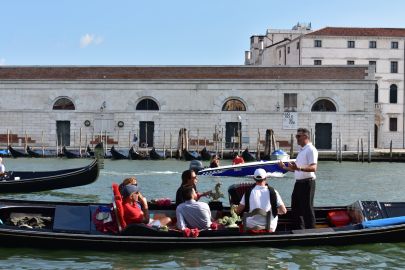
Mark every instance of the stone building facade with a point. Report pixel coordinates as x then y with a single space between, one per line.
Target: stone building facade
53 105
382 48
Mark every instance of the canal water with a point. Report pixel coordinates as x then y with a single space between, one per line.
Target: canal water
337 184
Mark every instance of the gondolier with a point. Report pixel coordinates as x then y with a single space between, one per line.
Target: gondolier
2 168
305 166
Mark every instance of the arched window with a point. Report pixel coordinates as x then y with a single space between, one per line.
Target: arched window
393 93
234 105
63 104
323 105
376 93
147 104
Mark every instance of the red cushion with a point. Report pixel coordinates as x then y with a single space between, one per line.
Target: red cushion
118 204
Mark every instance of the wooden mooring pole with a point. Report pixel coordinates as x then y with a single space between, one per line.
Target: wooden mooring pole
391 151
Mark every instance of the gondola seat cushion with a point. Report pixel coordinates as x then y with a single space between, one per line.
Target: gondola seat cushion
119 207
72 219
236 192
338 218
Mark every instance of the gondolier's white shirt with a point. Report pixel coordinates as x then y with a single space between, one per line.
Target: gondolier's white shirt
306 156
2 168
260 198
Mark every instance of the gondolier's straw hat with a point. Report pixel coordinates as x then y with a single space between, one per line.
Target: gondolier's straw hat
260 174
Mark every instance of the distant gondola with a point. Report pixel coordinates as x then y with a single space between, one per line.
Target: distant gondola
40 153
205 154
248 157
191 155
89 152
115 154
33 181
15 154
69 153
156 155
135 155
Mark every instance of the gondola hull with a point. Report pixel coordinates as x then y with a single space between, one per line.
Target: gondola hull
245 169
247 156
191 155
156 155
15 153
115 154
75 230
25 181
135 155
70 154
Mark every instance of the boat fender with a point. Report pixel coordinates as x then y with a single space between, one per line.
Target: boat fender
384 222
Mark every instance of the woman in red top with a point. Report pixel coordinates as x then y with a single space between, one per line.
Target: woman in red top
136 209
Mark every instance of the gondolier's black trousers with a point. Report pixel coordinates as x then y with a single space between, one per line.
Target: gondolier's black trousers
302 204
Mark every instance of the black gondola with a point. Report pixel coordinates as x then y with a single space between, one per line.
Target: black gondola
206 155
115 154
27 181
247 156
73 226
191 155
15 153
70 153
40 153
135 155
156 155
89 152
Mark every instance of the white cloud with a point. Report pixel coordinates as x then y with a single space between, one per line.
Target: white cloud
89 39
2 61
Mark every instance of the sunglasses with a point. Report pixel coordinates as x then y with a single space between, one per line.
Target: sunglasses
299 135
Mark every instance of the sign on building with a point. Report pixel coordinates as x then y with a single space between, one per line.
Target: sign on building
290 120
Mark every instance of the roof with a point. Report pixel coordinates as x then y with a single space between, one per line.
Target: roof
182 73
352 31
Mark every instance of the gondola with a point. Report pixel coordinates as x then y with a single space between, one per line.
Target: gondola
33 181
40 153
135 155
69 153
247 156
15 153
205 154
89 152
191 155
77 226
246 169
117 155
156 155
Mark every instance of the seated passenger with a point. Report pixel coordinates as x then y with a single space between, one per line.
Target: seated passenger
192 214
189 179
136 210
237 159
214 161
264 197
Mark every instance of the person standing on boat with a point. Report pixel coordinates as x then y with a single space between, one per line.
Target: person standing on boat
189 179
264 197
2 168
304 168
192 214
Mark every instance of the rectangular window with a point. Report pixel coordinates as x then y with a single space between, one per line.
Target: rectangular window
318 43
288 49
298 45
317 62
350 44
290 102
372 44
393 124
373 63
394 45
350 62
394 67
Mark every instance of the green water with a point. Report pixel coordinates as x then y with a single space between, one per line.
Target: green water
337 184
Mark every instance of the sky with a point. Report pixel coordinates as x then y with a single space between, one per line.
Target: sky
166 32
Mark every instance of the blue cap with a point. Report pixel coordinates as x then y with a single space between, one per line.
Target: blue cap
129 189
